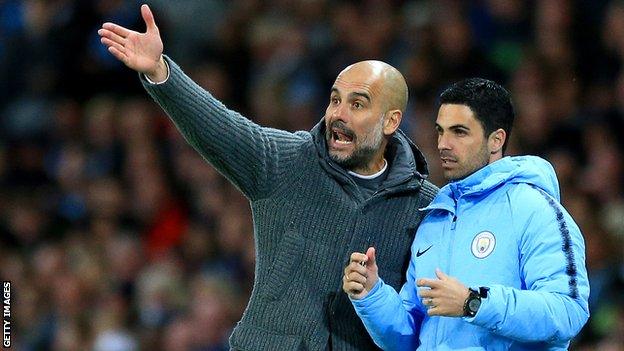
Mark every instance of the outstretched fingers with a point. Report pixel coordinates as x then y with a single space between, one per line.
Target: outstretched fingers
117 29
118 54
111 44
112 37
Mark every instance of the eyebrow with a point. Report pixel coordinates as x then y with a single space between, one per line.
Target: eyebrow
455 126
354 94
363 95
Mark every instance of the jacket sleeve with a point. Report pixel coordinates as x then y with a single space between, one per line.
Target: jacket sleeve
552 305
392 319
252 157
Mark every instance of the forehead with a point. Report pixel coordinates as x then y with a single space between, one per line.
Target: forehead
455 114
360 79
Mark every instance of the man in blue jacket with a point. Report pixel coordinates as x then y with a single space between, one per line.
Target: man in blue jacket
497 263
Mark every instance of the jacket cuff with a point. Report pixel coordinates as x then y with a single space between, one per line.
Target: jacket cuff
370 298
488 316
145 79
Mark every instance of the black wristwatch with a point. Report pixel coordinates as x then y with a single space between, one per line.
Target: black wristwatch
473 302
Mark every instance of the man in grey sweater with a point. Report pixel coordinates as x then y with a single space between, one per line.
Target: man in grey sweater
353 181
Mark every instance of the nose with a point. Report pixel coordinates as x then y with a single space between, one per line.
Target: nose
443 142
338 112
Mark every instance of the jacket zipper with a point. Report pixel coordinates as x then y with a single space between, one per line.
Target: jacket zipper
450 258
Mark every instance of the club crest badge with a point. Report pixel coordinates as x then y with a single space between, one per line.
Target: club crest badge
483 244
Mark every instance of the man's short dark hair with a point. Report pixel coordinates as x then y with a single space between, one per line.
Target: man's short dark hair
490 102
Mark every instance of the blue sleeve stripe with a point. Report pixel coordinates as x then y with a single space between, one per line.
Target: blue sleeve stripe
567 243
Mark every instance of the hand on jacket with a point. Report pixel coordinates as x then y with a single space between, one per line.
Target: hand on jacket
444 296
360 275
140 51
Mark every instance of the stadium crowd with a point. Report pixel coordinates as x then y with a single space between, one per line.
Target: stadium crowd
116 235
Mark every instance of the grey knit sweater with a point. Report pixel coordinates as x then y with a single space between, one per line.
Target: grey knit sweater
308 215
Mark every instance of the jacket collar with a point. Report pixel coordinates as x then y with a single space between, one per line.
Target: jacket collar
518 169
480 182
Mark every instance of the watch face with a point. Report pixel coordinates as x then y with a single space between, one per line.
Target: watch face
474 304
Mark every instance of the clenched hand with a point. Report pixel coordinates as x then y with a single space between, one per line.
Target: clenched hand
361 274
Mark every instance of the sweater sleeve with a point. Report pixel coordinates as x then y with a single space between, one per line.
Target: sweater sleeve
252 157
392 319
553 307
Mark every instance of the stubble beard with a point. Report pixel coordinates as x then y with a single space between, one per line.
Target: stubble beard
363 153
473 164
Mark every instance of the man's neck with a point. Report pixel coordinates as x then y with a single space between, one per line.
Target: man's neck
377 163
371 175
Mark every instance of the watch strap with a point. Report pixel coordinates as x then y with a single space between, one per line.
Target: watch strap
472 295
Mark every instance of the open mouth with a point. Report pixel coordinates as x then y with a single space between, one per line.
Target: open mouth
341 136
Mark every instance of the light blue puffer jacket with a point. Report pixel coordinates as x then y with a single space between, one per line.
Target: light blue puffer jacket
504 228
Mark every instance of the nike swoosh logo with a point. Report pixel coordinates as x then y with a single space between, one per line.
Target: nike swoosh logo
420 253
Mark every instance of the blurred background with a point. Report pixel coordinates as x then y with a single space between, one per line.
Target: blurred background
116 235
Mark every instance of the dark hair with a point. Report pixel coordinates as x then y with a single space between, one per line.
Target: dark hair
490 102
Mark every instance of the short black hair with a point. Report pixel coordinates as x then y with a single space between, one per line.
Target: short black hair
490 103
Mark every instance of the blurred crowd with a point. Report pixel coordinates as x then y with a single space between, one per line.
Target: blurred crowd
116 235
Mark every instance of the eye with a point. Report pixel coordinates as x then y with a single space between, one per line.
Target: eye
334 101
357 105
460 132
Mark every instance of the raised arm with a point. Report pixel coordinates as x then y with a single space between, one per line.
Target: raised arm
256 159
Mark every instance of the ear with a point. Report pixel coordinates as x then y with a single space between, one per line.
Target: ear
392 120
497 140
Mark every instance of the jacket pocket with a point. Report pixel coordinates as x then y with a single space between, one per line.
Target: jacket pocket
249 338
286 261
